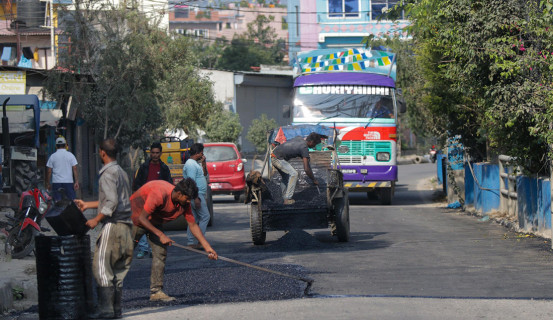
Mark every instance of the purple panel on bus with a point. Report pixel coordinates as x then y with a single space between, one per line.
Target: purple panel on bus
344 78
374 173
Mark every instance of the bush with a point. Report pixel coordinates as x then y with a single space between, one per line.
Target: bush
223 126
257 134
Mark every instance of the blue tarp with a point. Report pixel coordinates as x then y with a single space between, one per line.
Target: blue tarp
303 130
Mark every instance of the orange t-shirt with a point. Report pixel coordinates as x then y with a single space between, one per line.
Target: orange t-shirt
155 198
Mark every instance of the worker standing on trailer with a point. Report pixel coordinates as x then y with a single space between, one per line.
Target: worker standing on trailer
158 202
297 147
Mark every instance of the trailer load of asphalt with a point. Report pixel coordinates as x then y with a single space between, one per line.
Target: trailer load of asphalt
306 194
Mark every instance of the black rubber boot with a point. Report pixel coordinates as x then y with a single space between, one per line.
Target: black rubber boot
104 310
117 313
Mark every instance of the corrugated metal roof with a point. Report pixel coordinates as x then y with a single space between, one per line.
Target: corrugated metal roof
6 31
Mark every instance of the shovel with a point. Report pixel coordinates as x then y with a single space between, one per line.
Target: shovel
308 281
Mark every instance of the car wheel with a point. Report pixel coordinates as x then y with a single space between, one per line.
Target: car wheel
239 197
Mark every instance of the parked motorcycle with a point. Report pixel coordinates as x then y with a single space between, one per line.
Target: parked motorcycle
33 206
433 153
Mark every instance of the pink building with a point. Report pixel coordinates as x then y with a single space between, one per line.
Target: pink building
212 24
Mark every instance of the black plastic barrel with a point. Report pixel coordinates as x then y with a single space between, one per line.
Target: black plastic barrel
64 276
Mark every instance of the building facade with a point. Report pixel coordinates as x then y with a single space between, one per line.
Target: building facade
321 24
213 23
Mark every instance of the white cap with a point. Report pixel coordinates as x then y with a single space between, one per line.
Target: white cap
60 140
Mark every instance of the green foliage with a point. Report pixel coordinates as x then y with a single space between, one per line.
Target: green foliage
486 73
127 77
259 45
223 126
185 97
17 293
208 52
257 134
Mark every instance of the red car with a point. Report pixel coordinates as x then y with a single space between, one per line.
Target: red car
225 168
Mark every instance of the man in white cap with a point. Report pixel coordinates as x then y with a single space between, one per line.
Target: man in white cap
61 171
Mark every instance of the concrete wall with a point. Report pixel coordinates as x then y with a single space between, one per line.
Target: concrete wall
258 94
482 188
534 205
223 86
533 196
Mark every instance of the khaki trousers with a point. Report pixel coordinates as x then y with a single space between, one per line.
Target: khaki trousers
159 255
113 254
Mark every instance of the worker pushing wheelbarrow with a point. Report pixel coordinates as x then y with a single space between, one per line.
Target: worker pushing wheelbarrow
305 191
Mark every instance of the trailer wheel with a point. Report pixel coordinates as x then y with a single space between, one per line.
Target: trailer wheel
256 225
341 214
25 173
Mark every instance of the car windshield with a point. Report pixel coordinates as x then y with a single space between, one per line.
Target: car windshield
219 153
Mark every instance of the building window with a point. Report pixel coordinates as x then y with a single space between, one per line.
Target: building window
181 11
199 33
227 25
343 8
378 7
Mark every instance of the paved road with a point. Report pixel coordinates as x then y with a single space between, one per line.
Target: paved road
411 252
413 259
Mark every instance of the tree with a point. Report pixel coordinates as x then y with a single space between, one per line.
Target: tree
257 134
185 96
127 78
208 52
259 45
487 74
106 70
223 126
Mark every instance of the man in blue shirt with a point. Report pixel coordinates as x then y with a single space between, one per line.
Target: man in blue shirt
195 168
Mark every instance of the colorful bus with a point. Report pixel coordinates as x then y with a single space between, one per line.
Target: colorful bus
354 91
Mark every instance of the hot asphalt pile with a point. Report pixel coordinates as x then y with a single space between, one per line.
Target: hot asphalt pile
195 280
192 279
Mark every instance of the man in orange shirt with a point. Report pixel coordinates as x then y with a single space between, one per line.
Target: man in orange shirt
153 204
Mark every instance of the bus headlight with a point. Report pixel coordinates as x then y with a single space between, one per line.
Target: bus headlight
383 156
363 171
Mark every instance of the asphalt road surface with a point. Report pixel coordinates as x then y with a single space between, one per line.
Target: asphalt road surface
413 259
413 248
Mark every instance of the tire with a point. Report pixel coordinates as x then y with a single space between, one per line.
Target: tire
26 172
209 200
256 225
21 246
239 197
341 214
387 194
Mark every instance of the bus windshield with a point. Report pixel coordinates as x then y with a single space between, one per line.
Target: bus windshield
322 102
